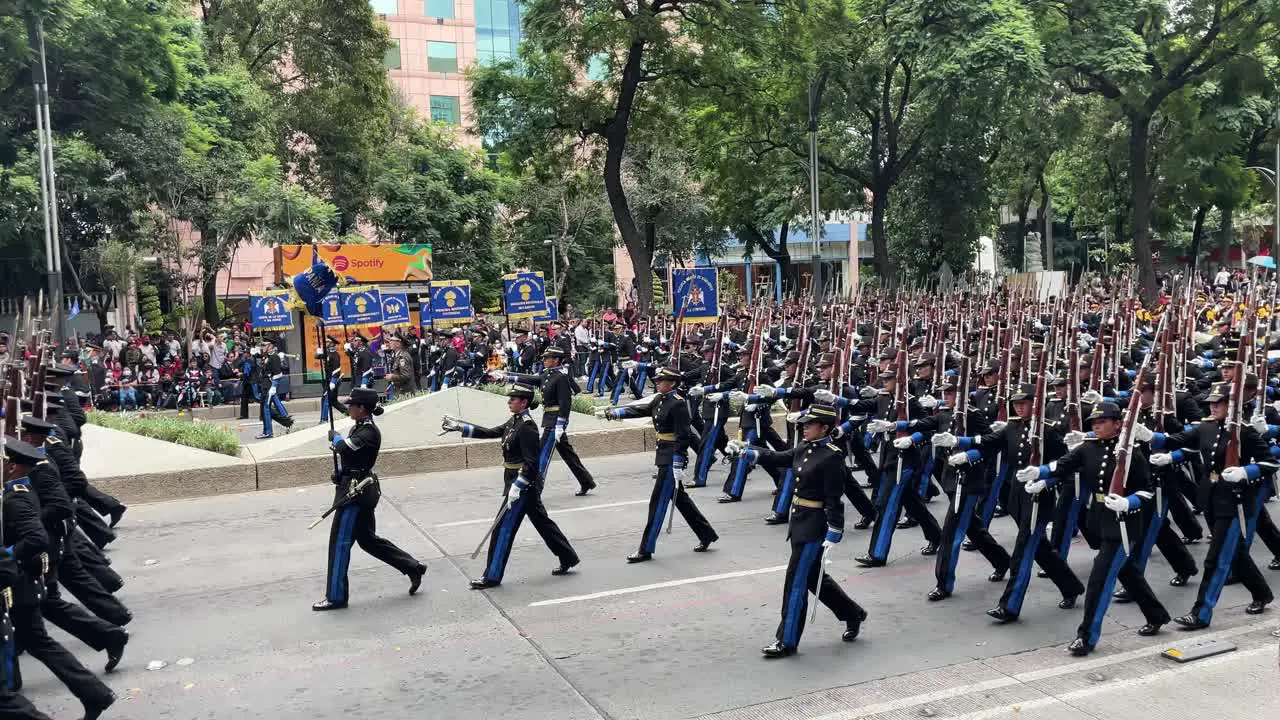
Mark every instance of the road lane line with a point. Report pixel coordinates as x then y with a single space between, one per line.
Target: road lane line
658 586
601 506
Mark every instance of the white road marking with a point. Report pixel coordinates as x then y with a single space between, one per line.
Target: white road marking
658 586
1044 674
601 506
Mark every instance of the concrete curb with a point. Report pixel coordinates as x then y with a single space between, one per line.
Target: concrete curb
269 474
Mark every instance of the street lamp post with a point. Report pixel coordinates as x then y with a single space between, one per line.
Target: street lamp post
48 188
815 208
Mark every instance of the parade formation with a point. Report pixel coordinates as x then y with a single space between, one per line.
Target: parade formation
1135 426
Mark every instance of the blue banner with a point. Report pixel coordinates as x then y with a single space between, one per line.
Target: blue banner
395 310
451 303
552 313
524 295
362 306
269 310
696 292
331 309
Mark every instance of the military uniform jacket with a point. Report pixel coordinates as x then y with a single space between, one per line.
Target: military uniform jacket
974 478
819 476
332 362
520 445
1056 427
1209 439
55 504
984 399
24 533
920 422
1013 444
1095 461
61 457
670 414
728 379
357 454
558 389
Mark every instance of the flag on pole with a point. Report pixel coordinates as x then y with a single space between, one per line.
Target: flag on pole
75 309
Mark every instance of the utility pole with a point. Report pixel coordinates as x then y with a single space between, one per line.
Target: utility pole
48 185
815 208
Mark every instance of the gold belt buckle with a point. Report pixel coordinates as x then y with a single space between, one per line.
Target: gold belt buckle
1213 476
44 563
8 598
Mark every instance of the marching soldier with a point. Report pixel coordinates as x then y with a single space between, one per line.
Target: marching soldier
1230 492
1013 441
523 482
1095 460
28 544
356 497
558 389
671 424
12 704
816 525
332 369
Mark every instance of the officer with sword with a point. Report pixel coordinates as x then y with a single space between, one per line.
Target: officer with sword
817 524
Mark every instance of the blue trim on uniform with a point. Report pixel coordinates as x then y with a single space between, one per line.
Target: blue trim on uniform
342 554
544 457
916 438
617 386
659 512
1219 578
901 425
973 455
506 536
593 375
964 517
1158 440
742 468
993 495
883 539
922 489
1142 553
1177 456
1253 472
783 503
9 665
964 443
1108 587
1072 521
706 454
791 625
1022 580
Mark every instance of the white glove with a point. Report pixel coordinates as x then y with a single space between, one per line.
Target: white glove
678 474
824 396
1234 474
945 440
1259 424
828 544
737 395
1197 361
449 423
928 402
792 417
879 426
733 448
345 346
751 407
628 364
1116 503
272 391
997 426
1093 397
765 391
1161 459
697 391
497 375
1087 338
838 431
1276 406
1035 487
1073 439
1083 346
1027 474
903 443
511 347
960 458
603 414
1142 433
868 392
715 397
558 432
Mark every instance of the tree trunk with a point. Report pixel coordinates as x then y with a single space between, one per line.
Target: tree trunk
1046 252
1140 185
1197 234
879 241
209 280
616 144
1225 234
1020 234
784 258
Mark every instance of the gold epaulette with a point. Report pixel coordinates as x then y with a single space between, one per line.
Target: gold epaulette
677 396
19 487
53 440
833 447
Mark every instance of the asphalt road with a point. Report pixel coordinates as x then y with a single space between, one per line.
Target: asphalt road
221 588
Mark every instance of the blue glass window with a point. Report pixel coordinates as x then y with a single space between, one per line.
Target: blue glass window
442 57
438 8
446 109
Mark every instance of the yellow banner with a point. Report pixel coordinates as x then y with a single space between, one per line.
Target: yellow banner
358 263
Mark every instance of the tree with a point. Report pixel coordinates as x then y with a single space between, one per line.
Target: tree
1136 55
432 191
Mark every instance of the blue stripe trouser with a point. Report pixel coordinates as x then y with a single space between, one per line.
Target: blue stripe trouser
1033 548
738 482
1067 519
544 455
1142 552
707 453
664 493
993 495
782 504
954 529
341 538
1113 563
803 571
593 375
891 490
503 538
1229 551
617 386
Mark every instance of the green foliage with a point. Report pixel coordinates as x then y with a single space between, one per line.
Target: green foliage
149 308
582 402
192 433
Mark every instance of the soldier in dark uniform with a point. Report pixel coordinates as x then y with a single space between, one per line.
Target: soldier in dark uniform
986 399
755 426
331 368
1095 460
558 389
272 407
28 544
361 362
63 408
966 486
1013 442
715 412
12 704
354 521
523 482
1229 493
57 517
817 524
672 428
1068 513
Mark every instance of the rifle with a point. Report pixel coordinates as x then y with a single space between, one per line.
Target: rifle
1124 448
352 492
1035 424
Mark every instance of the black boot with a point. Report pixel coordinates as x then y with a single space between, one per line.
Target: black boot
639 557
853 627
1067 602
115 651
863 523
482 583
937 594
1121 596
415 579
777 650
565 568
999 613
930 549
1079 648
326 605
1191 622
775 519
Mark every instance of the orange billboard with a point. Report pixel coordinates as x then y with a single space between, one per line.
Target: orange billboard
358 263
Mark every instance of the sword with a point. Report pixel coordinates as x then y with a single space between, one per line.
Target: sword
817 591
355 490
493 526
671 515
